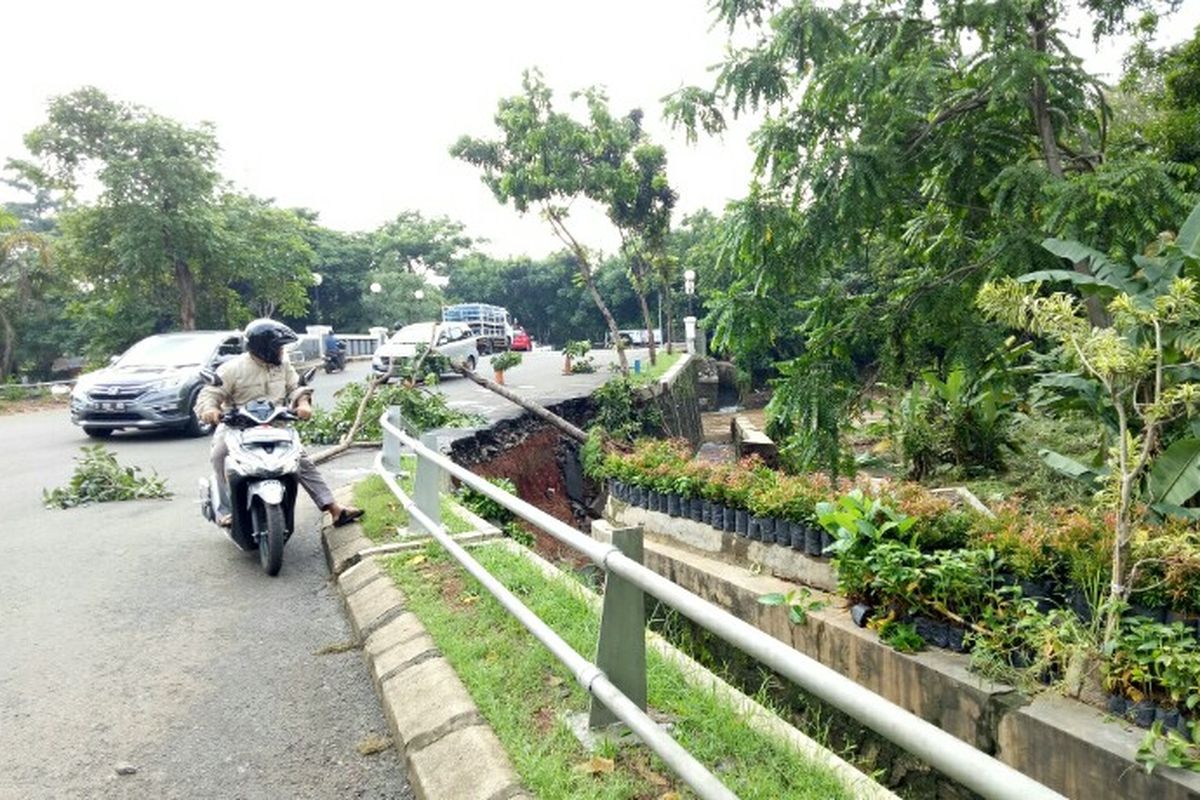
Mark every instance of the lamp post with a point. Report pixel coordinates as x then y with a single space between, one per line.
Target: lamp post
317 279
689 322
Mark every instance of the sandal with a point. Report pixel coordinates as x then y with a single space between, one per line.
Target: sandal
225 520
347 516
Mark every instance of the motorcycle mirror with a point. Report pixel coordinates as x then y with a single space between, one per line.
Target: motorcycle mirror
210 377
307 377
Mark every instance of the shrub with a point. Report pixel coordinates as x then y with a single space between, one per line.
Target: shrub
99 478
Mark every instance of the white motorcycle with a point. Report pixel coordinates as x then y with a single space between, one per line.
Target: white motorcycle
262 467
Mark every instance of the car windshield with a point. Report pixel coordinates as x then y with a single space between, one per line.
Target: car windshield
169 351
419 333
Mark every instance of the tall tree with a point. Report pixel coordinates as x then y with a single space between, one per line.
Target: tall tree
908 153
547 159
24 260
157 177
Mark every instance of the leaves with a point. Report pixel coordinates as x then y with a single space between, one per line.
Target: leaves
1175 477
596 765
99 478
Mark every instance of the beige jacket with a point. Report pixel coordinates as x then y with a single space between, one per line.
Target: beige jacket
245 378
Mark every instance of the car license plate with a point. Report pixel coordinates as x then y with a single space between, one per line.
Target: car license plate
112 406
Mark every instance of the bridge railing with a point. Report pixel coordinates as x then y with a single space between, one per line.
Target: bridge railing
624 574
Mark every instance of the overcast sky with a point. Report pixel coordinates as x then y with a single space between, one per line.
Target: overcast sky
349 107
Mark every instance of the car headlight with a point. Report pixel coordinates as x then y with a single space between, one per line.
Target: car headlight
173 383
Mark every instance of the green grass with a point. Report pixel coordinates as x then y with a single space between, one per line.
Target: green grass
651 374
523 691
384 512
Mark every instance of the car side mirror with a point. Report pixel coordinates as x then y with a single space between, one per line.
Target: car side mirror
210 377
307 376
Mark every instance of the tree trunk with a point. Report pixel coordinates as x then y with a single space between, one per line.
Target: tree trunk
667 339
186 283
649 327
1040 107
534 408
10 340
585 272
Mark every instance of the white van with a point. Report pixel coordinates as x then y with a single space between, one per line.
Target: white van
452 340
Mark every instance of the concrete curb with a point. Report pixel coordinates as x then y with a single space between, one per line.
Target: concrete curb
448 747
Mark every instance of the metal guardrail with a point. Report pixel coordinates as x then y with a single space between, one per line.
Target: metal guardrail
945 752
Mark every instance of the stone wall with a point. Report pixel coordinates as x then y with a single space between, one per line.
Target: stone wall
677 398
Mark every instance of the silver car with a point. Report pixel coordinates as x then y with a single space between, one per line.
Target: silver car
152 385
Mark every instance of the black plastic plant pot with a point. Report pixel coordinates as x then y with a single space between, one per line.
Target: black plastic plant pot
812 540
695 507
1152 614
639 497
931 630
1169 718
766 530
955 639
796 536
741 524
1078 603
1142 713
651 500
706 512
783 532
1117 705
614 489
673 505
1034 590
730 520
754 530
826 543
861 614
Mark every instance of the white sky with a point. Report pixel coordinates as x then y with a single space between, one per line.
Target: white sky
349 108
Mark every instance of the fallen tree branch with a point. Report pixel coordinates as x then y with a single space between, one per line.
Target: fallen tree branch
537 410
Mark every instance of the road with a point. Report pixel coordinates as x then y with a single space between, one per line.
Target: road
137 634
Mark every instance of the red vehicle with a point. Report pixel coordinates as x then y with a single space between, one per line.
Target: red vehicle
521 340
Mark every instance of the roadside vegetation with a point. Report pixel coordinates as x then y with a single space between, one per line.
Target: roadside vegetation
525 694
100 478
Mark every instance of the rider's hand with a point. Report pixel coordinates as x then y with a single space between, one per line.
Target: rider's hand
212 416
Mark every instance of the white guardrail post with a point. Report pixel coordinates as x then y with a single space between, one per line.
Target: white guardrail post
621 649
952 756
427 485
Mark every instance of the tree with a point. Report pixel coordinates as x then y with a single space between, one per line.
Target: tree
1145 363
546 159
909 153
414 244
266 253
396 304
154 220
641 209
24 259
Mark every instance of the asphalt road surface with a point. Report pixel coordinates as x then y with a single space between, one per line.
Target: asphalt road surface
136 635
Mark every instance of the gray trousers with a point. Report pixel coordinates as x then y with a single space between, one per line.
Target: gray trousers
309 476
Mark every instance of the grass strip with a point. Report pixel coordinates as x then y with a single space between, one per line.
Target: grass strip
652 372
384 512
524 692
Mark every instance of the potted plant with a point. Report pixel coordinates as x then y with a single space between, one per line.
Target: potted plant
573 350
504 362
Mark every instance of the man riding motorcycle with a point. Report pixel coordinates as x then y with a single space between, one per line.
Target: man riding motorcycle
260 373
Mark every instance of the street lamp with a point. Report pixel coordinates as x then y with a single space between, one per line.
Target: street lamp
376 288
419 294
317 279
689 322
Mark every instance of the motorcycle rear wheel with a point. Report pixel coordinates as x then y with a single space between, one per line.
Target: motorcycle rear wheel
271 531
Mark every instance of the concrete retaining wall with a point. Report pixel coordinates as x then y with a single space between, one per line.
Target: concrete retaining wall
1060 742
677 398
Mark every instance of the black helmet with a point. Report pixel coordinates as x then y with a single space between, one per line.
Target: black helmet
265 339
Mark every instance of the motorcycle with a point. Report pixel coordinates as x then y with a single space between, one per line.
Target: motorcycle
335 359
262 467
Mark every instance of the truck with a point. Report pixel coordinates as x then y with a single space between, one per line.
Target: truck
491 324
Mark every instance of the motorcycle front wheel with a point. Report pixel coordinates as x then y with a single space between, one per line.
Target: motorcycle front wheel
271 532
